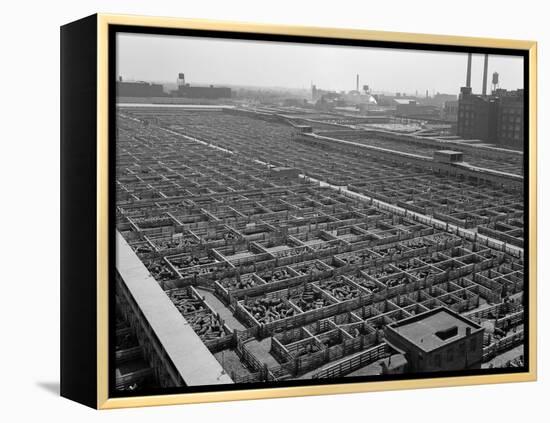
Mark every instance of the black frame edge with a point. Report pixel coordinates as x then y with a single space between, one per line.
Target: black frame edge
78 298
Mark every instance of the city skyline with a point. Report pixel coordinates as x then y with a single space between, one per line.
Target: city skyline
297 66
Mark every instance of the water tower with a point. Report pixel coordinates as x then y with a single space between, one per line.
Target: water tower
495 81
181 79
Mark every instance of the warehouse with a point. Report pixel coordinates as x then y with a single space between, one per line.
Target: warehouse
438 340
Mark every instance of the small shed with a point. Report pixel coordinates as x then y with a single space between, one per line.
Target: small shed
448 156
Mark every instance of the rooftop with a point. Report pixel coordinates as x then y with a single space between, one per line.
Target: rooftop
405 101
448 152
434 328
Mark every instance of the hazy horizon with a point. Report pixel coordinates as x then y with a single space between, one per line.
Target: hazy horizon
295 66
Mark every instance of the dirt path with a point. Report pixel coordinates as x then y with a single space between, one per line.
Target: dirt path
260 349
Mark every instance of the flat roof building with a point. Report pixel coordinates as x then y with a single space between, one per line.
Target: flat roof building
412 109
138 89
210 92
438 340
281 172
448 156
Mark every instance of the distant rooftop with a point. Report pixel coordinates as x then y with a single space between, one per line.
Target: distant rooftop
434 328
448 152
404 101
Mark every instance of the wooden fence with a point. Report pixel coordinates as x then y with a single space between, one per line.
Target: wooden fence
503 344
349 365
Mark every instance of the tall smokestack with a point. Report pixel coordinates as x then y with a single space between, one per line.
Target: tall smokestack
469 71
357 83
485 67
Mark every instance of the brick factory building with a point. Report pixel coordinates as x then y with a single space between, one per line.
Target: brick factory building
510 121
477 116
450 110
496 119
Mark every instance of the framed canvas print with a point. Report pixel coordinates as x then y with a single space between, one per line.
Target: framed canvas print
256 211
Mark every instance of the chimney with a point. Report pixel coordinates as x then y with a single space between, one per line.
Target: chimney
357 83
485 66
469 71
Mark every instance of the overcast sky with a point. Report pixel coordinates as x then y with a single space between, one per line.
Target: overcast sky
270 64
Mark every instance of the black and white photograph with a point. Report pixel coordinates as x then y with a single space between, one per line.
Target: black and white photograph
291 212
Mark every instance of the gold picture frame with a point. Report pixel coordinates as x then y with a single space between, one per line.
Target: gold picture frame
102 399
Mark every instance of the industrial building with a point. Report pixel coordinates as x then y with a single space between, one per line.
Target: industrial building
510 117
497 118
450 111
187 90
273 244
439 99
138 89
359 97
210 92
477 116
412 109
